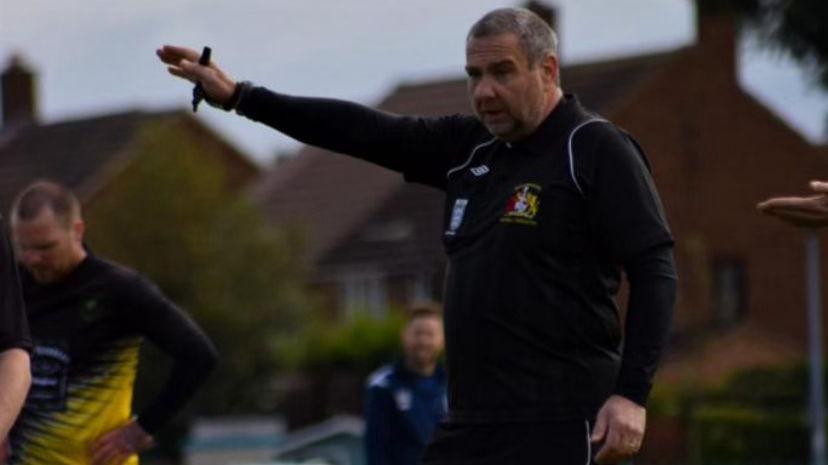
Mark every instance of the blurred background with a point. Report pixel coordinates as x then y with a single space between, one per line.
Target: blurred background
298 262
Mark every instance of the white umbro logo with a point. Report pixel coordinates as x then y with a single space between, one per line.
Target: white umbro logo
480 170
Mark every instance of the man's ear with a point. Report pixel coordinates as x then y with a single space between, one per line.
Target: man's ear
79 228
549 70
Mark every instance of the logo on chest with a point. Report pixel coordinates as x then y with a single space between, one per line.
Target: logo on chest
90 311
481 170
523 205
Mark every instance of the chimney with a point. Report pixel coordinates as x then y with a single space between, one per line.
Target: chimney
549 14
17 91
717 34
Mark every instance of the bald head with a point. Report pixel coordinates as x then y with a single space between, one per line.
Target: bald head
47 230
40 195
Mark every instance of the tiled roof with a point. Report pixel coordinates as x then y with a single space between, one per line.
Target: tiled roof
401 236
331 196
68 152
601 86
74 152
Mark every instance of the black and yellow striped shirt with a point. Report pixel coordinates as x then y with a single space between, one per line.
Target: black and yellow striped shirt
87 332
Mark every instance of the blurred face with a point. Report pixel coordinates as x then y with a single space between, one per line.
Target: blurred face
508 96
47 248
422 341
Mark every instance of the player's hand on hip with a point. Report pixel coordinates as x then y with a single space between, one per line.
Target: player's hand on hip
619 429
183 62
807 212
116 446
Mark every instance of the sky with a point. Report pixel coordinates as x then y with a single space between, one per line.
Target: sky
97 56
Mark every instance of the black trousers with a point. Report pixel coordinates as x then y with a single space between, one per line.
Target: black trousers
537 443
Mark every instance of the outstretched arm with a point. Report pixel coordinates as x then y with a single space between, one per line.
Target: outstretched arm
421 148
806 212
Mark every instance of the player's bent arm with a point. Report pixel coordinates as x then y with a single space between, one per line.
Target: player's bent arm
194 357
177 335
15 378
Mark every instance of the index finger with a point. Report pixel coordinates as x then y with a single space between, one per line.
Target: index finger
104 453
819 186
173 54
794 203
100 443
608 451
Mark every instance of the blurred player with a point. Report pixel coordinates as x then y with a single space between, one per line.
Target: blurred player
88 317
407 399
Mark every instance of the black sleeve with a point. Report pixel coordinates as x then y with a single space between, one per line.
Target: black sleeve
175 333
625 209
14 328
653 282
421 148
630 228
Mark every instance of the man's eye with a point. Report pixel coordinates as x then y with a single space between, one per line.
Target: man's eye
502 73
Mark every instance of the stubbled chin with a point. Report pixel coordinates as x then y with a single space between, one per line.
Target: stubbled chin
498 129
44 277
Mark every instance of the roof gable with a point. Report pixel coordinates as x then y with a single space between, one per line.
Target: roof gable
67 152
78 152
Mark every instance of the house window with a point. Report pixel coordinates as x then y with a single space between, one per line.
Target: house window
729 285
365 293
420 289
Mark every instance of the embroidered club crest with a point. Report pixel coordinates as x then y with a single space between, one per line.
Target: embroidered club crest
523 205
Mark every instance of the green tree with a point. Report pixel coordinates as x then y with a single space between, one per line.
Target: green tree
796 27
173 216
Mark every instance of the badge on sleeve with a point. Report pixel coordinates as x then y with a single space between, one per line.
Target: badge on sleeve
457 216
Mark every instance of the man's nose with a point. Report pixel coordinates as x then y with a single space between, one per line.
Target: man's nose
32 257
484 89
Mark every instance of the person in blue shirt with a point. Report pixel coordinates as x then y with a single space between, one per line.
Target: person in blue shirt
406 399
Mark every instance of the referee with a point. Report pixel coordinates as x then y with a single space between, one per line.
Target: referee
546 203
88 317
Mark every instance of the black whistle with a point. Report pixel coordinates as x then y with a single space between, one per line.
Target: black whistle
198 91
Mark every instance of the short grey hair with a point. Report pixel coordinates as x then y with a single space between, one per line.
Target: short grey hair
535 36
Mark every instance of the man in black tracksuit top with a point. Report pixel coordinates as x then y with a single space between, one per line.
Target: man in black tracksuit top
88 318
545 204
